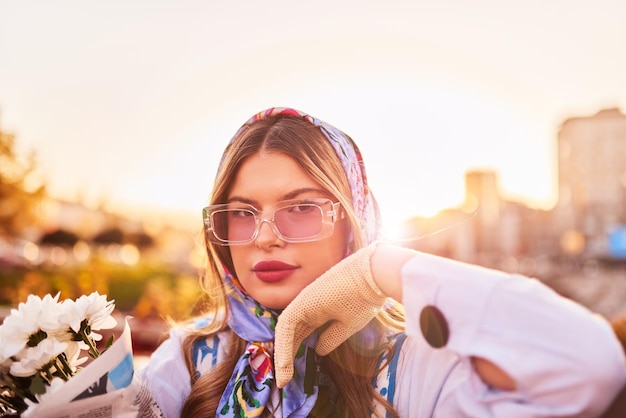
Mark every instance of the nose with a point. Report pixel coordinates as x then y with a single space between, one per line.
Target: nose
266 235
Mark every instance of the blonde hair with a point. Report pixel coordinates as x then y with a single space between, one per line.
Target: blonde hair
305 143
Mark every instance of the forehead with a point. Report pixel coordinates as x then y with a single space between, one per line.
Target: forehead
271 176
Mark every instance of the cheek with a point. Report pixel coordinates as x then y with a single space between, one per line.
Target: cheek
321 266
342 238
326 256
237 255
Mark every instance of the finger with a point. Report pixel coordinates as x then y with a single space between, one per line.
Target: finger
283 352
287 338
286 344
283 375
332 337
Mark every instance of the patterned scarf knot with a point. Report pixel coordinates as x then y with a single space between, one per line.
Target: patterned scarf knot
249 389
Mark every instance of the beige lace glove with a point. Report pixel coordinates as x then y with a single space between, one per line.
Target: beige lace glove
345 297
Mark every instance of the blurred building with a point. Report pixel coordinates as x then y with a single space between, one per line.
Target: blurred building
486 229
592 182
587 224
481 187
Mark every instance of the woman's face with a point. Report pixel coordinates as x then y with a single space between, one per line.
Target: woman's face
271 270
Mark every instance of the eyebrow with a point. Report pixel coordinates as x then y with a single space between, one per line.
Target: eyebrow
291 195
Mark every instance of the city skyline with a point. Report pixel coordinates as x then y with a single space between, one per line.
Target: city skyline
134 103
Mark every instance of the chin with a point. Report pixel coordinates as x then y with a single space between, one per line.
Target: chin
275 305
275 298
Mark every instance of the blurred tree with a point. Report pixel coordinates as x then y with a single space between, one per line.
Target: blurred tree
141 240
20 191
109 236
60 237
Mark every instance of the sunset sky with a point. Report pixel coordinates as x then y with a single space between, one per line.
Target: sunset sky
132 102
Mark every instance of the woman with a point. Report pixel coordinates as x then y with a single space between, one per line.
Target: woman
306 321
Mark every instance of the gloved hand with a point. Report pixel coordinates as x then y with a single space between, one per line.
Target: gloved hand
346 297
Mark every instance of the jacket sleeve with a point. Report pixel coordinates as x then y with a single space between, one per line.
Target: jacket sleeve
565 360
167 377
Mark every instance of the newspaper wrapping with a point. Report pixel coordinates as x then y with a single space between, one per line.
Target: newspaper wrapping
107 388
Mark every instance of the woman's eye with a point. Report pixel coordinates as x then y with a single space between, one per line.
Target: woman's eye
301 208
240 213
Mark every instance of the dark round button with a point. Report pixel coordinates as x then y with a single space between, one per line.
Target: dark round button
434 326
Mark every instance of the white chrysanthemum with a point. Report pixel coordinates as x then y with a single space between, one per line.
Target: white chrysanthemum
97 311
94 308
73 351
23 322
68 314
34 358
50 314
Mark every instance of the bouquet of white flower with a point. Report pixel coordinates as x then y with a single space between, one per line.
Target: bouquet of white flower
41 343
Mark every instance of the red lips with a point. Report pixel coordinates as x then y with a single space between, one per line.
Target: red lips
273 270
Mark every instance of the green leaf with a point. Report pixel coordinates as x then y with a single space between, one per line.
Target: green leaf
109 342
225 409
37 385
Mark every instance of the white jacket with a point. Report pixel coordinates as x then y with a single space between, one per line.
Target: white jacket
565 360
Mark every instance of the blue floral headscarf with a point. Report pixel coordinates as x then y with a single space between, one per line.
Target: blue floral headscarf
249 388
